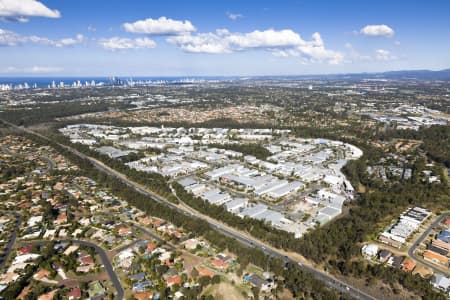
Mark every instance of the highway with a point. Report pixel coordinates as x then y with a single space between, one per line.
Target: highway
243 238
420 240
106 263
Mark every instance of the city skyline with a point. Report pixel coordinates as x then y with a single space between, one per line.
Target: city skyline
80 38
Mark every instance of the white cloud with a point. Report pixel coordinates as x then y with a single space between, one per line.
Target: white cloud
384 55
34 70
265 39
11 39
233 16
281 43
286 53
68 41
22 10
117 43
377 30
161 26
91 28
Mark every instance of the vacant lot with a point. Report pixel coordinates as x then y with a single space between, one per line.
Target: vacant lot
225 291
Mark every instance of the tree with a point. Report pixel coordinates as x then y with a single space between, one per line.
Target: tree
204 281
216 279
194 273
255 291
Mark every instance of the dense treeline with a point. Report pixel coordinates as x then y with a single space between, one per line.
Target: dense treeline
9 171
256 150
25 116
436 140
301 283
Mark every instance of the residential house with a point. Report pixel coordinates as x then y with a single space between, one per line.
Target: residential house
61 219
173 280
441 282
47 296
408 265
257 281
435 257
205 272
384 255
370 250
41 274
217 263
143 295
74 294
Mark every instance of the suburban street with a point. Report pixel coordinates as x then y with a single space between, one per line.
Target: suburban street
12 238
420 240
103 256
243 238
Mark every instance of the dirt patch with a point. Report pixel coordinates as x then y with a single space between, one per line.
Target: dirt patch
423 271
226 291
73 282
406 145
191 261
361 188
285 294
378 289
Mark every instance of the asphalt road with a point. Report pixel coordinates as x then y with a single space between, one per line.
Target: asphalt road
106 263
154 236
318 274
12 238
146 231
420 240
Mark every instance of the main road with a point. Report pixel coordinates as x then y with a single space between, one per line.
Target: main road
241 237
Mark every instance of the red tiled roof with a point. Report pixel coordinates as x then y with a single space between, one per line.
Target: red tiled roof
408 264
26 249
24 293
151 247
74 294
124 230
87 260
205 272
173 280
219 264
431 255
143 295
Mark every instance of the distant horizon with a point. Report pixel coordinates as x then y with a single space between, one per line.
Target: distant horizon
214 76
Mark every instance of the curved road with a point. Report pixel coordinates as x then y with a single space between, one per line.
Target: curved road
106 263
245 239
420 240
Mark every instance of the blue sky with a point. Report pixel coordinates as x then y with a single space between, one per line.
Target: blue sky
183 38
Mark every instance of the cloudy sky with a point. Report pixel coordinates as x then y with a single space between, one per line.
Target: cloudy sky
182 38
